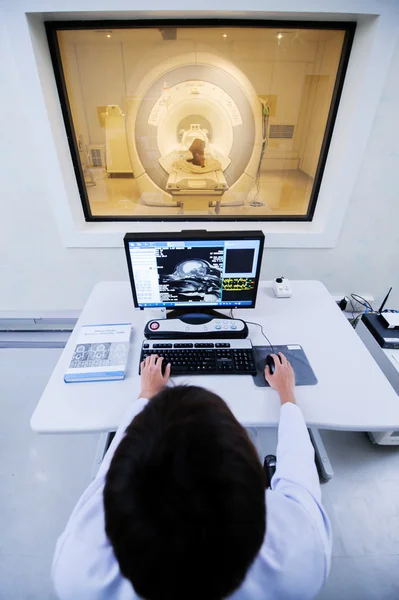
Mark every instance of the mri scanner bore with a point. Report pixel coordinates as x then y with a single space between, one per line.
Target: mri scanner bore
200 122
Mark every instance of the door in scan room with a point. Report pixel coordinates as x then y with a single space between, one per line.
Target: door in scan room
313 113
117 154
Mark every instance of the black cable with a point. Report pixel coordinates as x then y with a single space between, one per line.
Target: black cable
304 362
261 328
365 302
292 357
353 309
355 321
263 333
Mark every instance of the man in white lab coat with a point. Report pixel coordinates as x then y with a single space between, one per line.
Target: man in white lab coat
178 510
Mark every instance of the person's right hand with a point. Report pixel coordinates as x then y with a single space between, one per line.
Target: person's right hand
283 378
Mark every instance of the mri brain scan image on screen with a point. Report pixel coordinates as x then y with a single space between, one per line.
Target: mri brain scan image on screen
194 280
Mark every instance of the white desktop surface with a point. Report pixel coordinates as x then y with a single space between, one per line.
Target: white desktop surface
352 393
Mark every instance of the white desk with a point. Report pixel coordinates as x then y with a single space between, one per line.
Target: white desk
352 393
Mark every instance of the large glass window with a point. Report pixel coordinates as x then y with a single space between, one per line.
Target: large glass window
199 121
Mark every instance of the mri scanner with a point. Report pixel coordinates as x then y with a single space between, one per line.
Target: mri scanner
208 104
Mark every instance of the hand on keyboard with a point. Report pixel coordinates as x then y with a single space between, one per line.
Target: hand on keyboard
154 375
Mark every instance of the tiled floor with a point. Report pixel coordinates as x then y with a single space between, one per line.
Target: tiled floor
282 193
362 501
42 477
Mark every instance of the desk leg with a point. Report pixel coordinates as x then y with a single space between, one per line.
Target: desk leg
322 461
102 446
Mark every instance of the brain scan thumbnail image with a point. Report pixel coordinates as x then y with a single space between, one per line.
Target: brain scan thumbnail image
194 279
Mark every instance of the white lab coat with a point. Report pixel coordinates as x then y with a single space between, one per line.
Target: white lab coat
293 562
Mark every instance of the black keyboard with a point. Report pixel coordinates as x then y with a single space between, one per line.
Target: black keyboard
208 358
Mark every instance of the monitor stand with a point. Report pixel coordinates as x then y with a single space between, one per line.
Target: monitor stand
195 318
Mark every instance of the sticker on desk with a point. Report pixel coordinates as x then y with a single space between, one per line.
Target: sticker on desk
294 347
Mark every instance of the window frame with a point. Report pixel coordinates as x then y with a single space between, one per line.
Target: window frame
52 27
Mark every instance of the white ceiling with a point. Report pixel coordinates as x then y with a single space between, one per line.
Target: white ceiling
199 34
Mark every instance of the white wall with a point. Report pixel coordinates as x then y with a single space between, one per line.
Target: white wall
38 272
101 70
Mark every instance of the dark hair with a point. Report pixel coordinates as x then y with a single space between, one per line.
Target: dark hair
185 498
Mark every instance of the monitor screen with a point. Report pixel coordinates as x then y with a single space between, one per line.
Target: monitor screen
195 269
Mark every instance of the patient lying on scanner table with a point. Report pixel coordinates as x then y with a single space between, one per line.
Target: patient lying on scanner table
201 161
198 171
195 166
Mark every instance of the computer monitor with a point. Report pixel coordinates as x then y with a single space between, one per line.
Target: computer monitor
195 271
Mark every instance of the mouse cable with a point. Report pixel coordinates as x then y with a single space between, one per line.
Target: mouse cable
292 358
261 328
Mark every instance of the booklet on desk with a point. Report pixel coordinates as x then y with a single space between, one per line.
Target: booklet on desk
100 353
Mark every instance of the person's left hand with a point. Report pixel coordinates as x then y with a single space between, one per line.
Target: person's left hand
152 380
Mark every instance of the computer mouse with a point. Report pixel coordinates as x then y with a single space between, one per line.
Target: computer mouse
270 363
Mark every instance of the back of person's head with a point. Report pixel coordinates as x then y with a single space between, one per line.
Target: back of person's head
185 498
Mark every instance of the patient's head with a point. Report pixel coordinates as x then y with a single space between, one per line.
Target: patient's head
185 498
197 149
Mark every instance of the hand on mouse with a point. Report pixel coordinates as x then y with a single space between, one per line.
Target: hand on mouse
152 379
283 378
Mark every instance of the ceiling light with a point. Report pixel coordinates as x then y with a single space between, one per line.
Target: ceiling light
279 36
225 35
108 35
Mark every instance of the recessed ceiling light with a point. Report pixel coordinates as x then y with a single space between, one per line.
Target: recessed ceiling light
108 35
279 36
225 35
